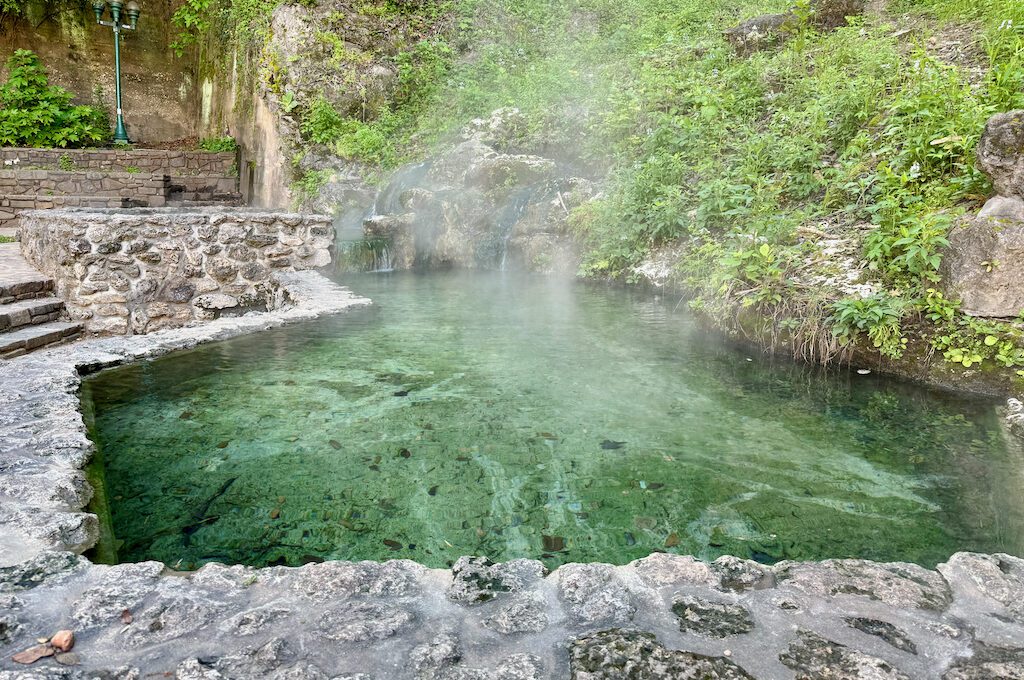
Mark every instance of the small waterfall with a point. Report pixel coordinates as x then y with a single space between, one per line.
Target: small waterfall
506 218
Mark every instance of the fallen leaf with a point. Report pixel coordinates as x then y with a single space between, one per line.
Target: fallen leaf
63 640
186 415
405 453
223 444
33 654
609 445
275 513
553 543
126 617
335 444
672 540
394 545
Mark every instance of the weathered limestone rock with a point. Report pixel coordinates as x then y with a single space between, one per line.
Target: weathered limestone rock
827 15
884 630
1001 152
996 579
615 654
712 619
478 204
984 265
896 584
988 663
759 33
362 621
477 579
525 614
771 30
594 593
812 656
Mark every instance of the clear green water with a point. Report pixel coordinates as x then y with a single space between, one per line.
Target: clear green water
512 417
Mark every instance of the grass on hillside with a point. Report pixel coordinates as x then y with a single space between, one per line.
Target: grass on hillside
864 134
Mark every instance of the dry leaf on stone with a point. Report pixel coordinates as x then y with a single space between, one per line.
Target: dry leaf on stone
126 617
33 654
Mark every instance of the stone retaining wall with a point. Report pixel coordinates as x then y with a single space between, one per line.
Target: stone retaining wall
22 190
144 160
136 271
148 187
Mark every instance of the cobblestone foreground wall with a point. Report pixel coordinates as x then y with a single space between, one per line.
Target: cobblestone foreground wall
666 616
137 271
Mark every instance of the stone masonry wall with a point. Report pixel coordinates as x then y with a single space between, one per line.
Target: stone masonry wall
145 160
137 271
43 189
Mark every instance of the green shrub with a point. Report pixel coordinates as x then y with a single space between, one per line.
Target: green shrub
322 123
35 113
218 144
308 186
879 316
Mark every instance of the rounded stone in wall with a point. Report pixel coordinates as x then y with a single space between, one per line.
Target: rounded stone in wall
215 301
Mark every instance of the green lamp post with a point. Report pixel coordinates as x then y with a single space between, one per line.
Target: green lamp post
117 9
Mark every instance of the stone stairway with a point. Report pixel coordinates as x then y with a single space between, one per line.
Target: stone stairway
30 316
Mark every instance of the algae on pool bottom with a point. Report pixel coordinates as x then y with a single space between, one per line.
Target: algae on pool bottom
510 416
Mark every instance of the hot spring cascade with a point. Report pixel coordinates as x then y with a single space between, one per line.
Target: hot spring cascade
513 416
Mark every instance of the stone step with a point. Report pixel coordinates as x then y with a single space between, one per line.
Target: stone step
30 312
24 340
18 279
